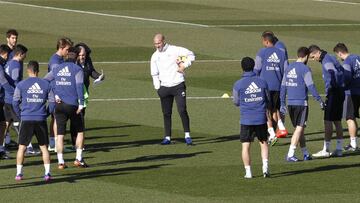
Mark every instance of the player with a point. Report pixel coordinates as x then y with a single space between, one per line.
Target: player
270 65
252 96
334 90
29 103
4 52
85 62
296 83
12 39
69 96
351 67
62 47
168 73
278 44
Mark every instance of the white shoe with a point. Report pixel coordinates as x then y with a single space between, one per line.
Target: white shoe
248 176
322 154
51 148
337 153
31 152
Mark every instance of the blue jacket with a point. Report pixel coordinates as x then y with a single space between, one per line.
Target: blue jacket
352 74
296 83
330 67
251 94
55 61
14 74
280 45
270 64
69 83
4 84
32 95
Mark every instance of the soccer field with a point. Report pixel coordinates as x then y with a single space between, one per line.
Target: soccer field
124 119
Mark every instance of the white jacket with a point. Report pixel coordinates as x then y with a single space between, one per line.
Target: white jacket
164 69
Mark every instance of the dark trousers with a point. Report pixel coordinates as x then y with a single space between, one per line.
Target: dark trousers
167 95
73 130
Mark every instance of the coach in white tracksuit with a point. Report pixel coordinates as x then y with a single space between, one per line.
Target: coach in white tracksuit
168 64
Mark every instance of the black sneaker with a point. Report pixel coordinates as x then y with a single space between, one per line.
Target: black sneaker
3 155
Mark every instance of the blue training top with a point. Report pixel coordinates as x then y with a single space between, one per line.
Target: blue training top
14 74
251 94
352 74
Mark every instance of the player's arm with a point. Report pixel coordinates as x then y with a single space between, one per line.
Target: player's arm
283 91
49 76
236 97
190 56
15 75
330 68
16 101
348 73
258 63
311 86
79 81
268 103
5 83
155 74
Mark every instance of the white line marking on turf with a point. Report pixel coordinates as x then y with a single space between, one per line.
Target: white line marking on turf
152 99
105 14
338 2
145 62
287 25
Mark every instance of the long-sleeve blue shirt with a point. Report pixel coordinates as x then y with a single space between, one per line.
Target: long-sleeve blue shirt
30 97
14 74
69 83
270 64
280 45
251 94
330 67
4 84
55 61
297 81
352 73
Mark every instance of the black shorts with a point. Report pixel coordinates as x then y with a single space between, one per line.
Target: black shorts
275 100
29 128
351 107
9 113
2 114
334 105
64 112
249 132
298 115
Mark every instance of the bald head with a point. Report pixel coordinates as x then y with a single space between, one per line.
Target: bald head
159 41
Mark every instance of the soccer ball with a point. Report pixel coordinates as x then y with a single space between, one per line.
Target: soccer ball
181 59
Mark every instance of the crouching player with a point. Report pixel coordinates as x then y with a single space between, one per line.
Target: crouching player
296 83
29 103
251 94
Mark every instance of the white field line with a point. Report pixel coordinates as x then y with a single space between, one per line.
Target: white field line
338 2
148 62
104 14
156 99
183 23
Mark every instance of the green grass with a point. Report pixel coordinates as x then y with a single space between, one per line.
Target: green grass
127 163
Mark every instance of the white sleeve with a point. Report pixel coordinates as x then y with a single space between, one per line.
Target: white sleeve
190 56
155 74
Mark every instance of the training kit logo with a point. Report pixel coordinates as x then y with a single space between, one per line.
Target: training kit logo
35 89
292 73
253 88
64 72
183 94
273 58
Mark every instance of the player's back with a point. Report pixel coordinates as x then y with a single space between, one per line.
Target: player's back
294 80
352 65
270 66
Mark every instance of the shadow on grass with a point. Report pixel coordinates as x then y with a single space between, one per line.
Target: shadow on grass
108 146
74 177
316 169
162 157
111 127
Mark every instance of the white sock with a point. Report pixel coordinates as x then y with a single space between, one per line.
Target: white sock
79 154
248 171
30 146
167 137
291 151
47 168
52 141
60 158
353 142
265 166
327 146
271 132
339 144
19 169
7 138
305 151
187 134
281 125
